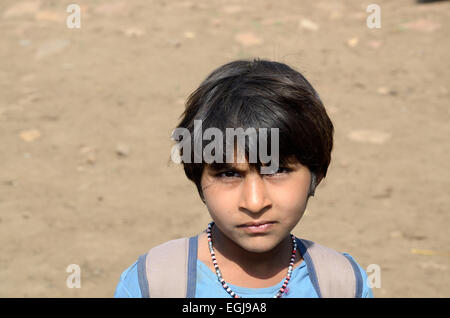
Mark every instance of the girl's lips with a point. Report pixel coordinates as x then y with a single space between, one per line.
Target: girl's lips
260 227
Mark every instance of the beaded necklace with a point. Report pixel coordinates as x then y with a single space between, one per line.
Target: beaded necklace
224 284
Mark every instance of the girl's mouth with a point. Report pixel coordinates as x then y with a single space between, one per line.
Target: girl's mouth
257 227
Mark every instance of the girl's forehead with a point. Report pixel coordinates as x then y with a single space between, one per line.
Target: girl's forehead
235 166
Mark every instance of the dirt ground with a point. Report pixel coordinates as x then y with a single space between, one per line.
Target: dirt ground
86 115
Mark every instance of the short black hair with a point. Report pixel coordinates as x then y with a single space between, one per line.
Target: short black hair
262 94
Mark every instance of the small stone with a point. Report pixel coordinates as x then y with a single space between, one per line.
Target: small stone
84 186
69 205
189 5
28 99
175 43
52 16
216 23
308 25
386 91
231 9
28 78
98 272
332 110
353 42
30 135
86 149
396 234
111 8
10 183
383 90
386 193
369 136
374 44
416 237
189 35
358 15
51 47
25 43
90 154
22 9
432 265
335 15
422 24
133 32
91 159
67 66
122 150
248 39
443 90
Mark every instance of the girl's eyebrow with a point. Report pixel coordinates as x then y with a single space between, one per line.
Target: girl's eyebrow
231 166
225 166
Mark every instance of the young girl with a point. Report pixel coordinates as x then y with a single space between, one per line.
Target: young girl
248 249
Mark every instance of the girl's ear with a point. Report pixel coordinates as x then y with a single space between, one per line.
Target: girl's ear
202 197
313 184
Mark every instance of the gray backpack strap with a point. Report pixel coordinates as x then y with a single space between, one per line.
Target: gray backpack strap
142 276
332 274
192 267
169 270
358 276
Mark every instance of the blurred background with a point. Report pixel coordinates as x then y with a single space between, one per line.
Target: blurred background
86 116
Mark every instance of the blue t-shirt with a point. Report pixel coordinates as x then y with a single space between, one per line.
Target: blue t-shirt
207 285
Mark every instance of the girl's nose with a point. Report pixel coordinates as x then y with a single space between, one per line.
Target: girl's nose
254 195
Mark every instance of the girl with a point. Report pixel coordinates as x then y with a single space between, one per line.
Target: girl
248 249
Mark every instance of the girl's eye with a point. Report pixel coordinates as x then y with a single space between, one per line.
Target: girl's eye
232 174
227 174
280 171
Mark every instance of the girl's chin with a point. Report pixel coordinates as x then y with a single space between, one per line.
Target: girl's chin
257 244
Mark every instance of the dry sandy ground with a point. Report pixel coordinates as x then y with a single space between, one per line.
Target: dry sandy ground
86 115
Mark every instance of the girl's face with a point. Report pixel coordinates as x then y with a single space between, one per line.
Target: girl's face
256 211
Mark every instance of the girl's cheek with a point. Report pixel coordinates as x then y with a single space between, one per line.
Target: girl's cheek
289 195
221 204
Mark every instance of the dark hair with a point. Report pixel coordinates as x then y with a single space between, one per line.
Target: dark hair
262 94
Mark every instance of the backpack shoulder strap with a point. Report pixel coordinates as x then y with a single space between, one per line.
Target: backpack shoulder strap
332 274
169 270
